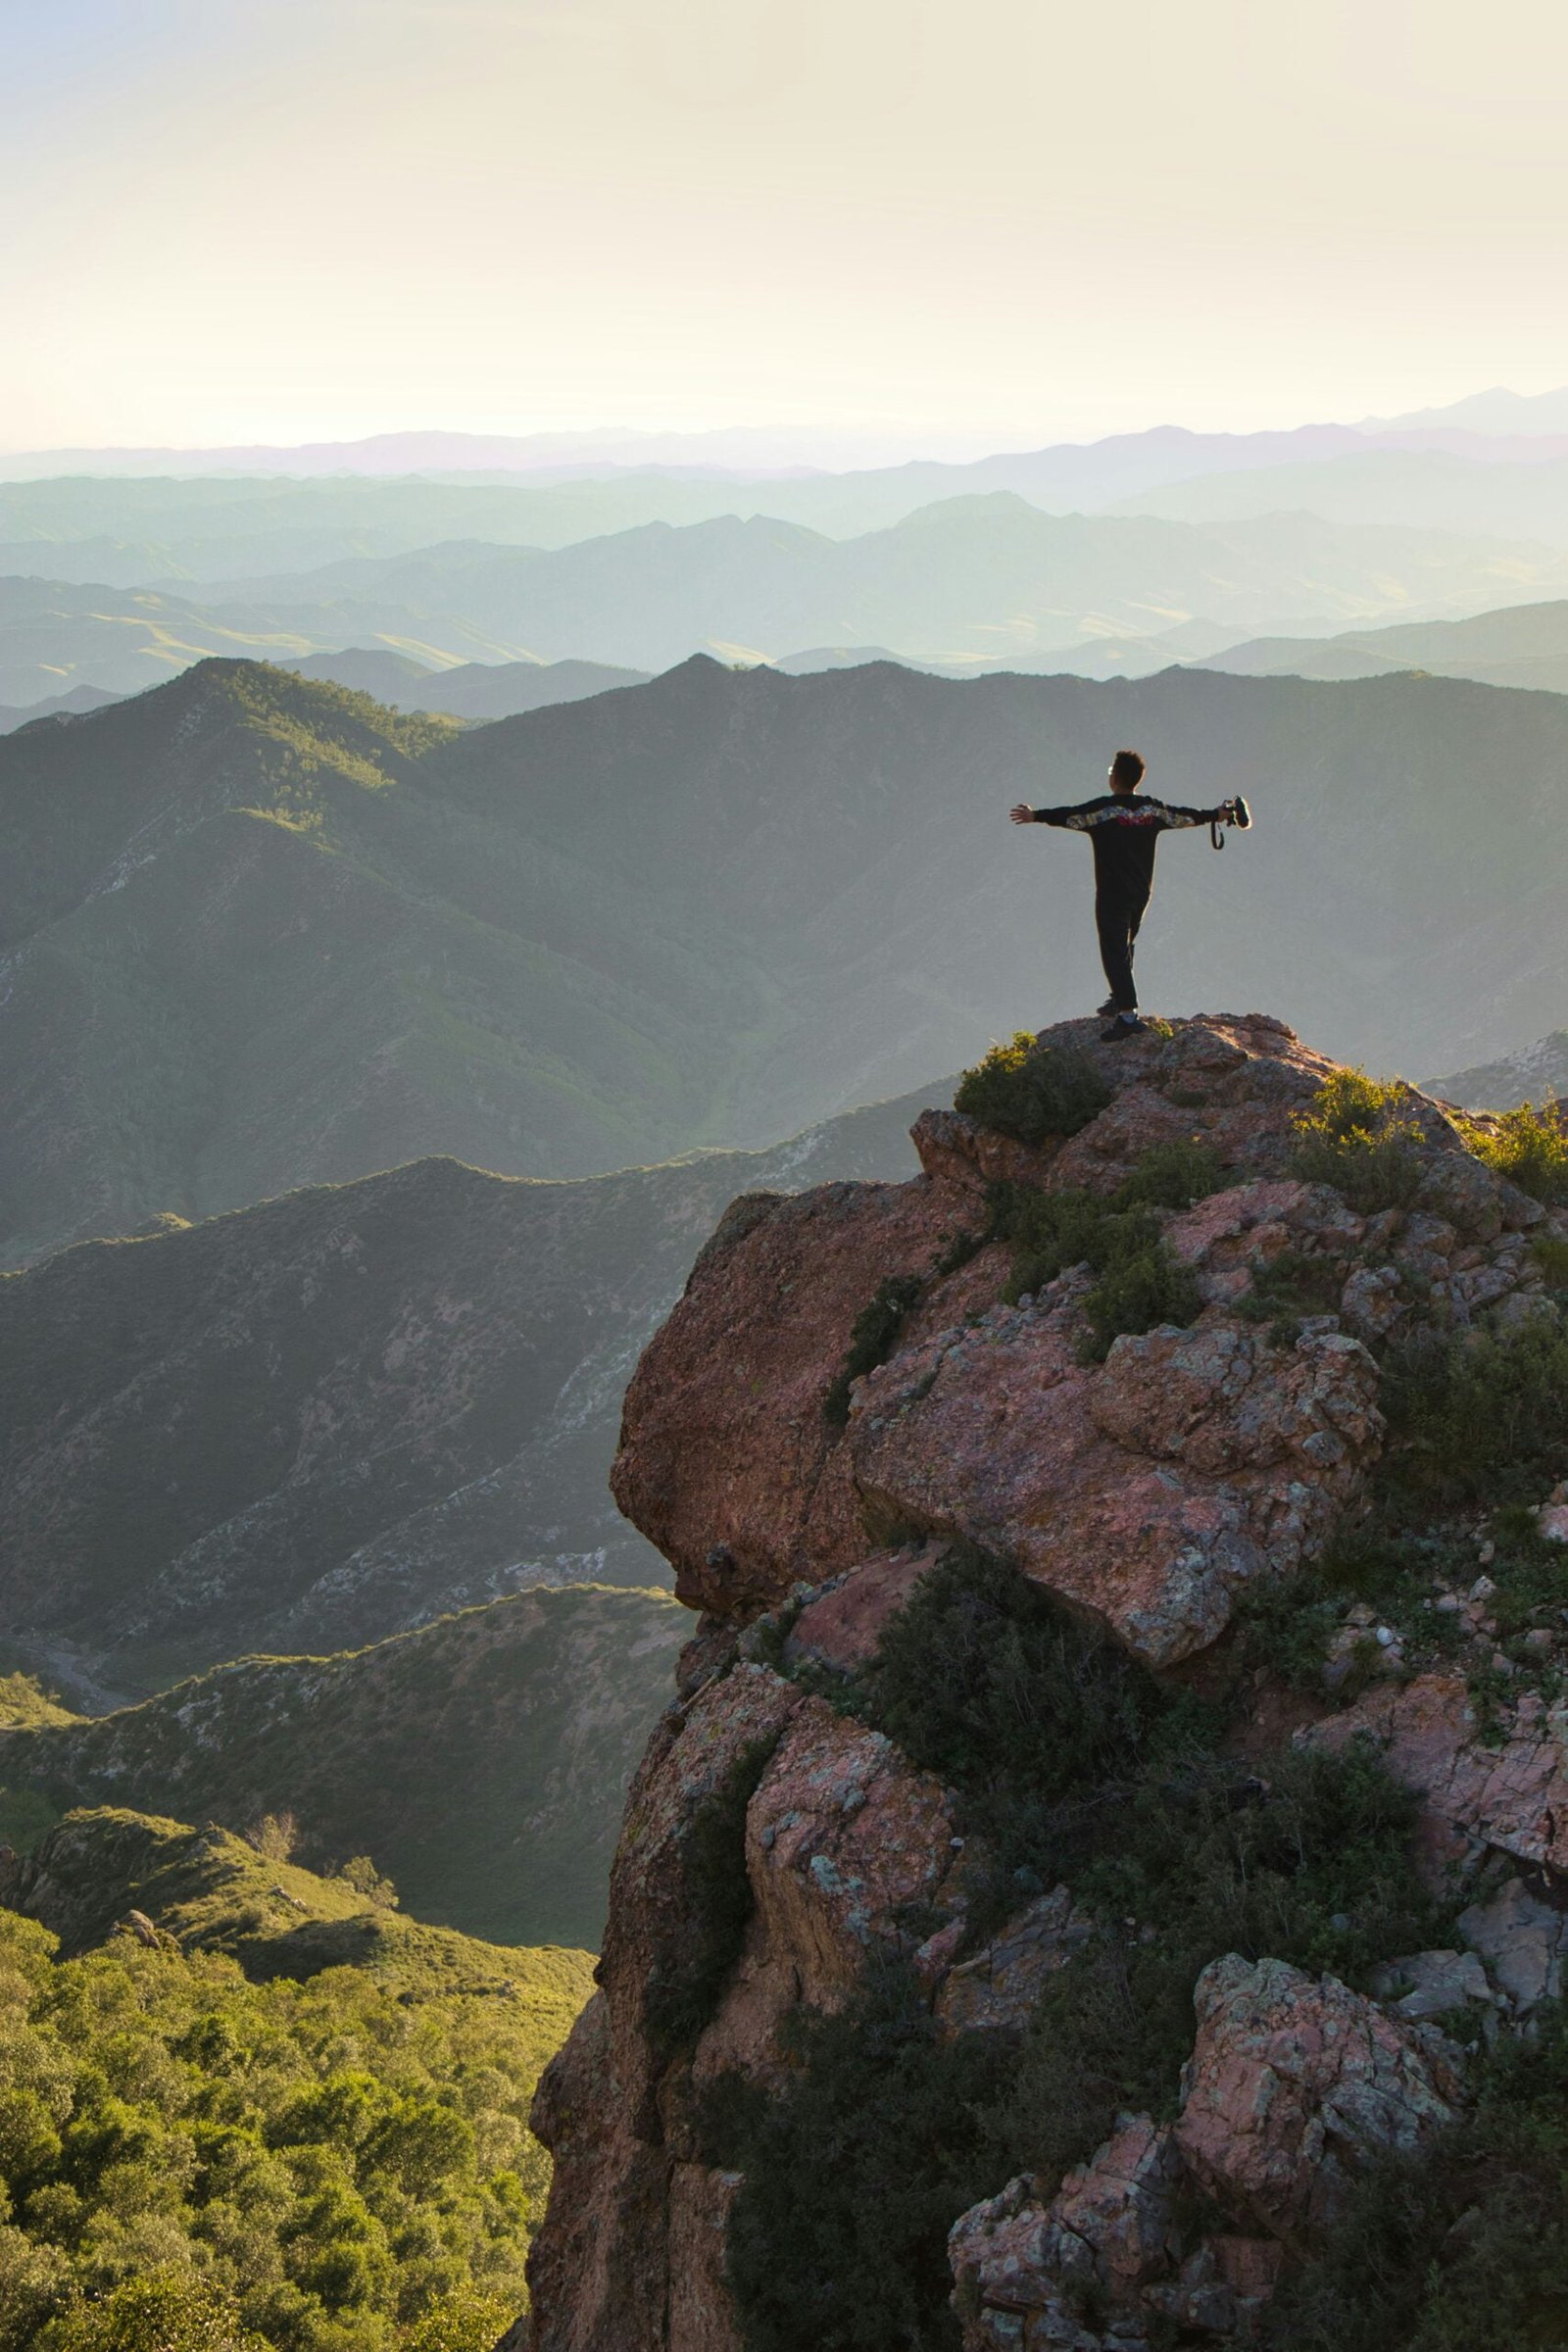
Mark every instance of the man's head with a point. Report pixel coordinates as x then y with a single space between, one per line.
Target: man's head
1126 772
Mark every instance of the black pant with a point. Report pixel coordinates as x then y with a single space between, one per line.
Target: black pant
1116 919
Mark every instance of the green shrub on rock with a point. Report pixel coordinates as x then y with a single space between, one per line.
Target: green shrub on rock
1478 1415
1032 1092
1355 1139
1529 1145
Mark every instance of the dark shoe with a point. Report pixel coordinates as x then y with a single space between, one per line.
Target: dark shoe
1106 1011
1126 1025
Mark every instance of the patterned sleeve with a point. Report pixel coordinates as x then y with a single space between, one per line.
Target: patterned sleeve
1175 820
1079 820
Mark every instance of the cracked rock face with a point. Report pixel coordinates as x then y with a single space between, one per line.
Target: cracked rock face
838 1832
1292 2083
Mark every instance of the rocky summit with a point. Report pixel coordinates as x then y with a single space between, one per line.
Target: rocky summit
1111 1805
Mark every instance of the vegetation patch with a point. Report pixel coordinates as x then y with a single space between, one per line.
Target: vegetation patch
1355 1139
873 1335
853 2173
1139 1281
1293 1286
685 1984
1529 1145
197 2163
1477 1415
1032 1092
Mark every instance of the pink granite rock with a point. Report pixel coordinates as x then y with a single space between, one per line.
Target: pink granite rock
1513 1795
999 1988
1108 2230
842 1626
1293 2081
1148 1492
841 1834
727 1461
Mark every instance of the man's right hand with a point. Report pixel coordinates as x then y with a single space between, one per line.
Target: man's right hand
1023 814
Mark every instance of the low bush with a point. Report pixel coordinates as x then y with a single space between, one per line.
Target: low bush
985 1680
852 2175
684 1984
1286 1627
1529 1145
1355 1139
1030 1091
1477 1415
1463 2247
1140 1283
873 1335
1173 1175
1294 1285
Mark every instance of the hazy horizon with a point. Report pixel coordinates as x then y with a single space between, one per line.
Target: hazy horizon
886 228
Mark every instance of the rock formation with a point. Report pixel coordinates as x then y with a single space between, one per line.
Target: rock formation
778 1850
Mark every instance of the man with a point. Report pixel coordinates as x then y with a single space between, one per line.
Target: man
1124 831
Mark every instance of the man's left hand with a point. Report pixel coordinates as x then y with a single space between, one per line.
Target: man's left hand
1023 814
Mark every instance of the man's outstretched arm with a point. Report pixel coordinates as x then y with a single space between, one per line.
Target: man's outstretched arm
1023 814
1176 819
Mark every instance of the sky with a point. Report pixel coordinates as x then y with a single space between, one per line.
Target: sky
943 224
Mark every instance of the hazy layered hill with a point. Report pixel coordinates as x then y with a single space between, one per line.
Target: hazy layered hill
1426 490
260 934
330 1417
54 636
472 690
1537 1073
1522 645
71 704
988 575
482 1761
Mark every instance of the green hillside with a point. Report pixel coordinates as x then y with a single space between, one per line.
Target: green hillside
247 2108
481 1760
261 934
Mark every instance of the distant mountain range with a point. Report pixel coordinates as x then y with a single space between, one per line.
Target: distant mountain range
71 705
978 580
482 1761
1522 645
261 933
474 690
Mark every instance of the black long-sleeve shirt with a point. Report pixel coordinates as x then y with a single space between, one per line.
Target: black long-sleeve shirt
1124 830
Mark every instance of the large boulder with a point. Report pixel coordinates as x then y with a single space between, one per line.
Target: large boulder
1294 2082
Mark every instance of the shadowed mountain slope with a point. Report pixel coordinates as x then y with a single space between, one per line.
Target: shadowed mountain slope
482 1761
315 1422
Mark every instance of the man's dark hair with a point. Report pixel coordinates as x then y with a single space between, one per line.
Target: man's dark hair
1127 769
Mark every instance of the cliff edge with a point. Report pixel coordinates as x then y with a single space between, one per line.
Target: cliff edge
1111 1801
